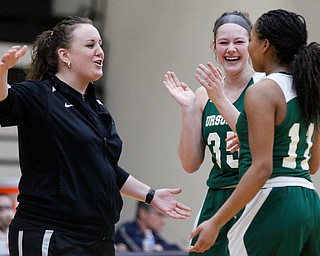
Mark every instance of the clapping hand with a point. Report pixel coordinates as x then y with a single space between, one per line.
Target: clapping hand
180 91
211 78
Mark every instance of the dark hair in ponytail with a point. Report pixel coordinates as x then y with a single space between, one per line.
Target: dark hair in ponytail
44 55
288 33
306 81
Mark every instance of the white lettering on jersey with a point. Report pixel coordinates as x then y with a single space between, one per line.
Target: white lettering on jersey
215 120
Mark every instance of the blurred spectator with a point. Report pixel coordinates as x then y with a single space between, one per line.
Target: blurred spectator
130 235
6 215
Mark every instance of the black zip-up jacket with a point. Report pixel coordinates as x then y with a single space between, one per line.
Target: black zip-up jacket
69 151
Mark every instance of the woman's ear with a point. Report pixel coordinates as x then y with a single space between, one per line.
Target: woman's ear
214 50
213 47
64 55
266 45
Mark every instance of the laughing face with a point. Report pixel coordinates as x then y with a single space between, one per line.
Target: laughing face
230 47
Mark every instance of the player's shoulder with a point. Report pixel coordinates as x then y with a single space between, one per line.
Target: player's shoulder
201 96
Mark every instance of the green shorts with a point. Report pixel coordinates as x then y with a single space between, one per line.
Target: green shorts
215 198
281 221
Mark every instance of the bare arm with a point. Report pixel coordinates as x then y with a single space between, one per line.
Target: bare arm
7 61
260 109
315 152
191 147
163 199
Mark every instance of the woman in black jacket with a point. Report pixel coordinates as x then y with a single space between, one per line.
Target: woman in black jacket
71 183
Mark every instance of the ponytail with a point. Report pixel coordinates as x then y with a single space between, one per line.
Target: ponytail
43 56
306 81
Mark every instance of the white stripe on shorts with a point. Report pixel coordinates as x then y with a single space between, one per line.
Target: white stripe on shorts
46 242
20 237
195 224
238 230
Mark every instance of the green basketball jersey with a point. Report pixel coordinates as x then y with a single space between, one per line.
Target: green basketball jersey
292 140
215 130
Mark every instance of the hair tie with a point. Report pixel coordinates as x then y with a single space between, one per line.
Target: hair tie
235 19
301 47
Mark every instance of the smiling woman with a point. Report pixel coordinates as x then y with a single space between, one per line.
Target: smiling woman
203 124
278 130
71 184
82 62
77 63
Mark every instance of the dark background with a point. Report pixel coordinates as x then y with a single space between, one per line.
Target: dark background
21 21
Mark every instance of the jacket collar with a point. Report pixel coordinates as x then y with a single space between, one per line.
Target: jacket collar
62 86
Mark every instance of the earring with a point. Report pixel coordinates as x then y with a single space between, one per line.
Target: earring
69 64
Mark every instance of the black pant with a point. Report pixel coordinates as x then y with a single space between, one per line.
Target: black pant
55 243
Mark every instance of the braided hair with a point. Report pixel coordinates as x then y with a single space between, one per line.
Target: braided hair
287 32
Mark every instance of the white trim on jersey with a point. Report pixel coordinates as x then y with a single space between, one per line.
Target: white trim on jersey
284 81
285 181
257 76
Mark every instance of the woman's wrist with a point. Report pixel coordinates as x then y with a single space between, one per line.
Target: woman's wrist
149 196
